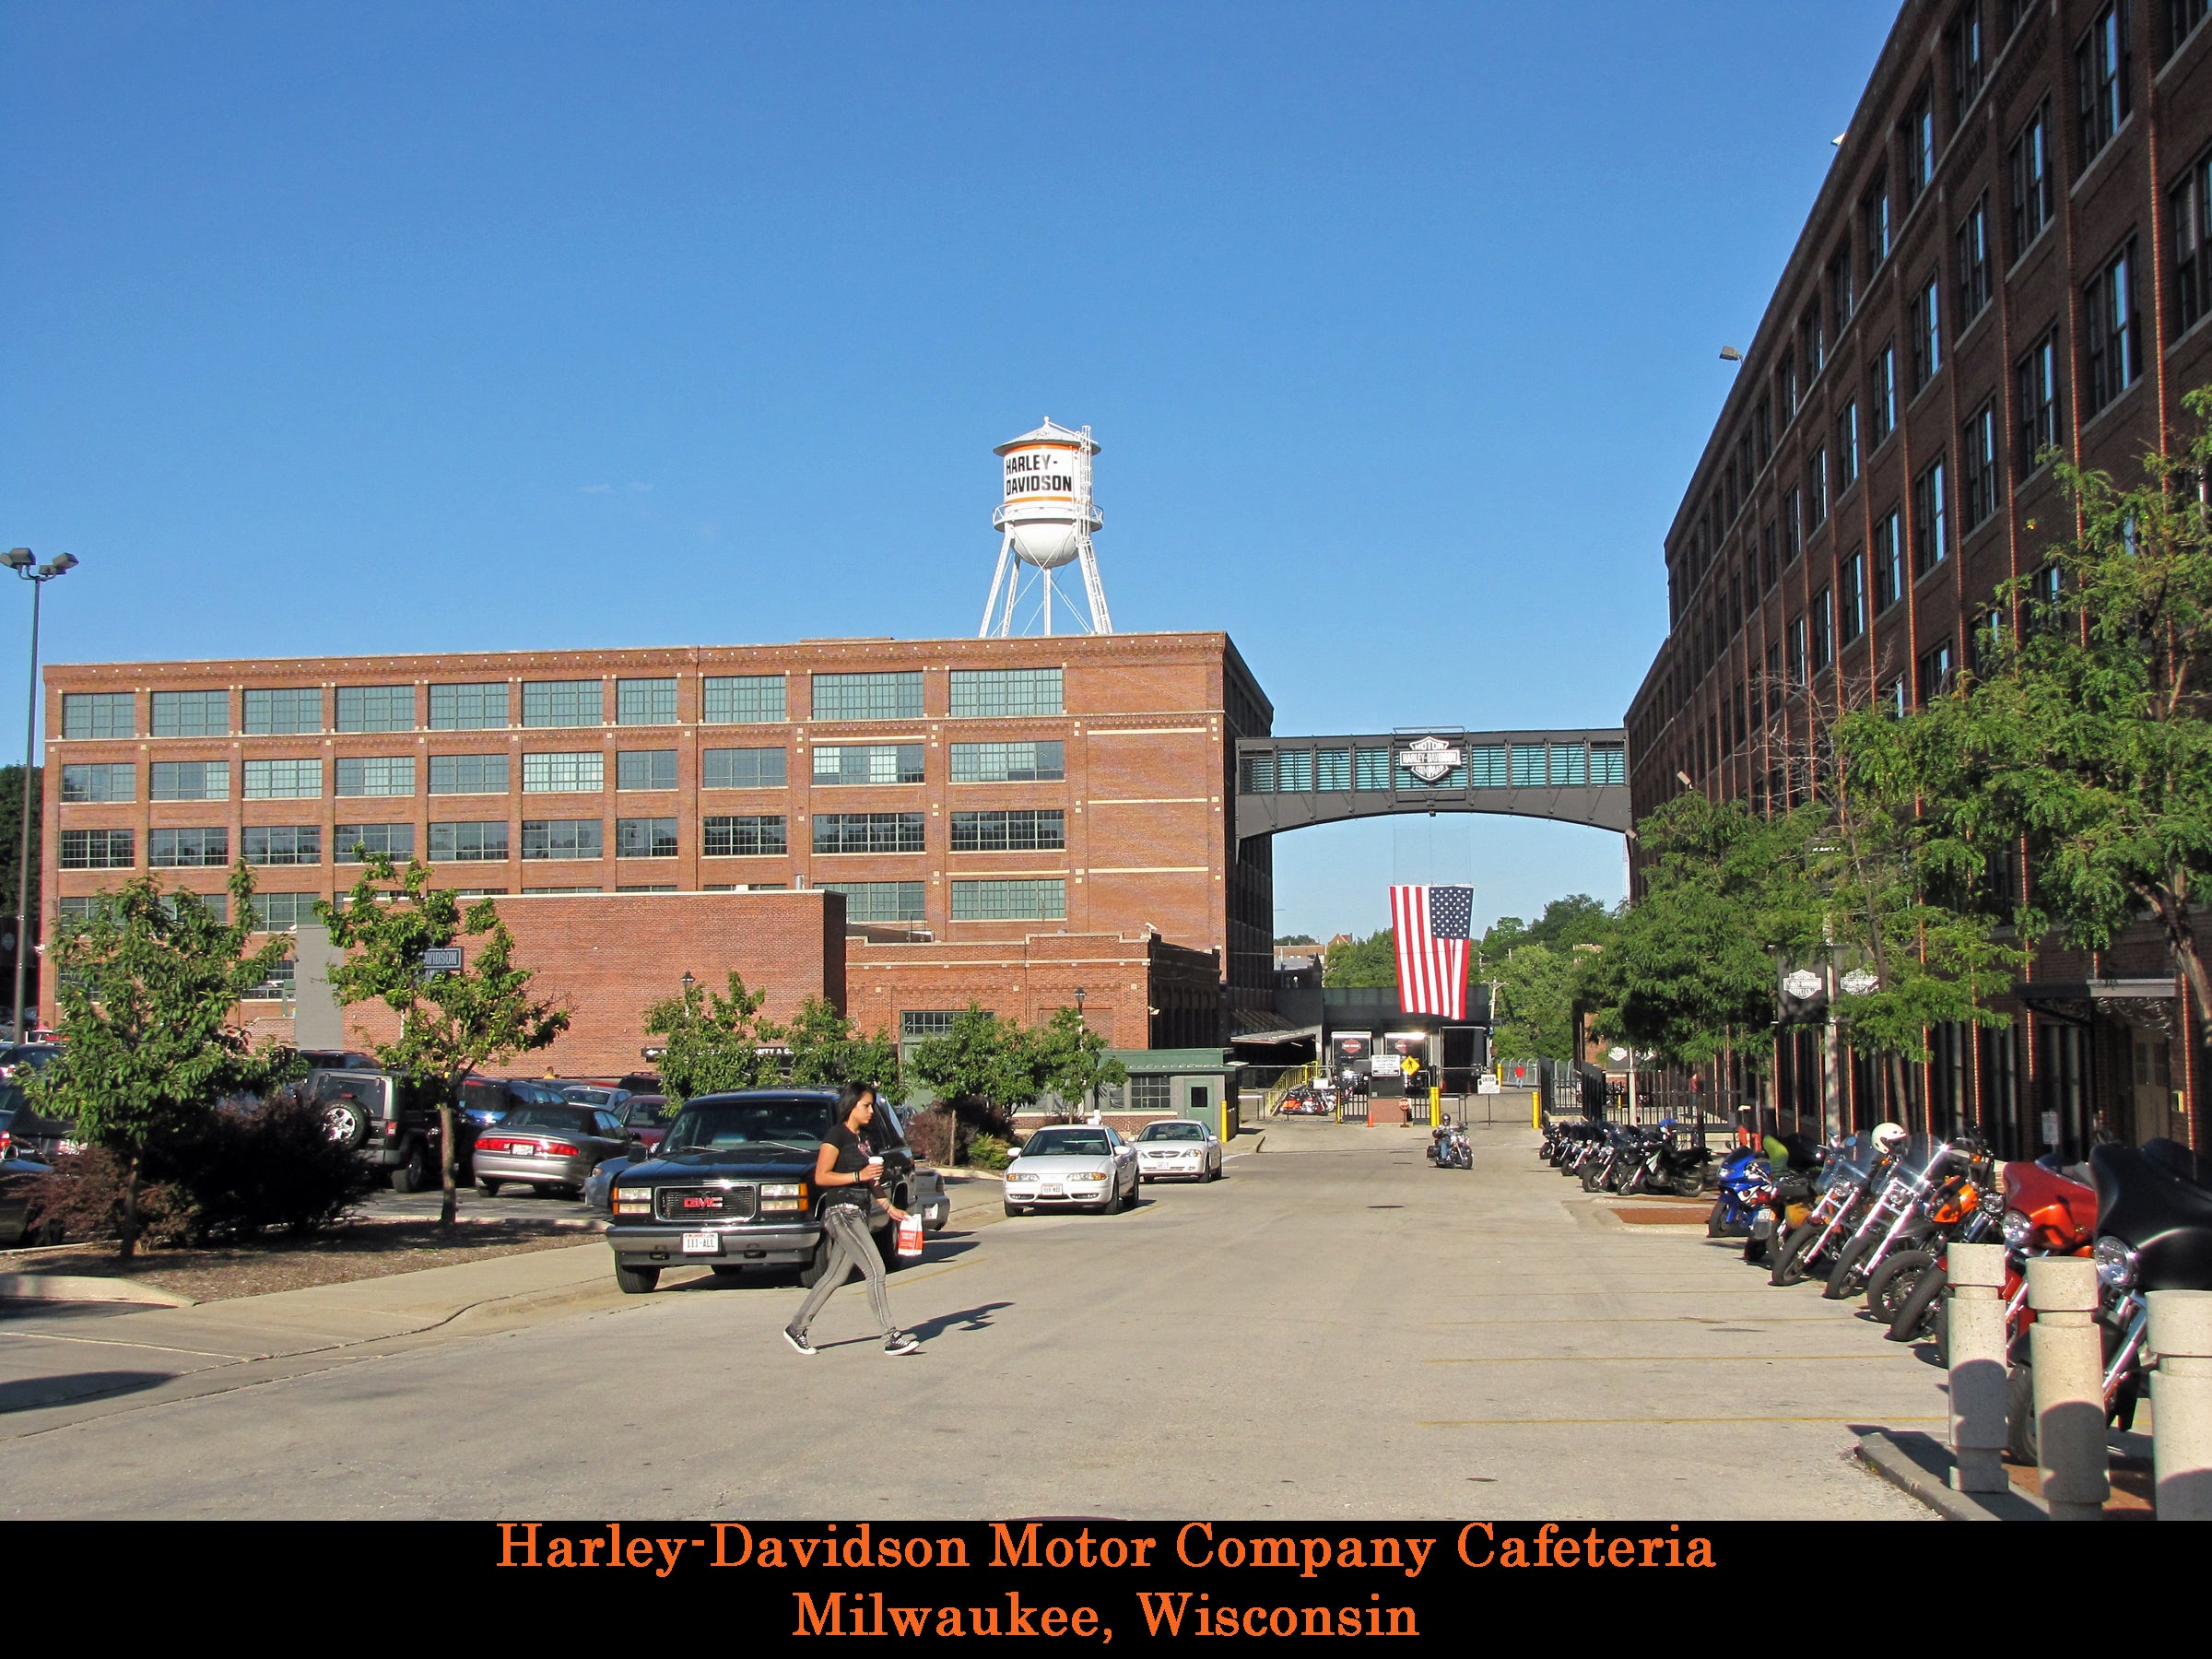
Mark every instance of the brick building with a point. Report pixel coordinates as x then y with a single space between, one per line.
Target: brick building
2012 252
1005 820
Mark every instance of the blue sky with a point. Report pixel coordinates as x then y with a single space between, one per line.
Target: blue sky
411 327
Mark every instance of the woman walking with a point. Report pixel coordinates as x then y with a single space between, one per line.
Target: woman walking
845 1172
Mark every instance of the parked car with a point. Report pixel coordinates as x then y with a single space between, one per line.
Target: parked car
731 1188
338 1060
1174 1149
932 1202
488 1099
593 1094
645 1117
17 1176
1073 1166
599 1188
550 1148
22 1129
28 1057
383 1116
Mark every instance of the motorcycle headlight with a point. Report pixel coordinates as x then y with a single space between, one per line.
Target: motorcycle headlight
1993 1200
2115 1264
2016 1230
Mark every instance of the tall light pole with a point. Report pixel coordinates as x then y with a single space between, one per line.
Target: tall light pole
23 562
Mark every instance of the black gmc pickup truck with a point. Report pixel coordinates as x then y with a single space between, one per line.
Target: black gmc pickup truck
732 1187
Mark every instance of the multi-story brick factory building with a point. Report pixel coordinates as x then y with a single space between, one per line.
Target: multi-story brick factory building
1026 823
2013 252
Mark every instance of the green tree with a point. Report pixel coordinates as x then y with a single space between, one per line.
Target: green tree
1370 963
828 1051
1069 1060
1577 918
1296 939
11 865
1535 1015
713 1041
452 1023
147 986
981 1067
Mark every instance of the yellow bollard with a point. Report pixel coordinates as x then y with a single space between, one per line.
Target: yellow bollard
1436 1104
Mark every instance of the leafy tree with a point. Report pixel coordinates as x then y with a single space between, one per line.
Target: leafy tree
827 1052
713 1041
1370 963
147 986
1577 918
1535 1015
450 1024
11 865
981 1065
1296 939
1067 1058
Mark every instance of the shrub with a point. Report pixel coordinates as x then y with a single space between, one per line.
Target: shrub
83 1199
988 1152
930 1133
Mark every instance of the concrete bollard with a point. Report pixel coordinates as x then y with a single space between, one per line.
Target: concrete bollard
2181 1403
2068 1357
1974 1333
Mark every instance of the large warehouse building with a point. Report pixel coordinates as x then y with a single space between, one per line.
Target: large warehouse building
1026 823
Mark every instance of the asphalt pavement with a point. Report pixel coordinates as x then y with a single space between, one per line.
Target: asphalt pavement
1336 1329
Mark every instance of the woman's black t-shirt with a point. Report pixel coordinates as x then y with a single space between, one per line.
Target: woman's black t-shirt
851 1159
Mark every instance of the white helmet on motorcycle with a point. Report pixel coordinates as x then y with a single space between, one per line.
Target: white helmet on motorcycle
1887 1136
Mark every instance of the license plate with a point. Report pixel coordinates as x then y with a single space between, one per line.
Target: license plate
705 1243
1050 1192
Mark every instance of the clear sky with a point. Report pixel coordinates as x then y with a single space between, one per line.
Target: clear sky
459 325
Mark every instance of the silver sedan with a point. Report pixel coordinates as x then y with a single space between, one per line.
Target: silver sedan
1174 1149
1073 1166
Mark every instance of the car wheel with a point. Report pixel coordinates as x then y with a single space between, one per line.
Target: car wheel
345 1123
1131 1202
414 1174
635 1281
492 1187
1013 1210
810 1273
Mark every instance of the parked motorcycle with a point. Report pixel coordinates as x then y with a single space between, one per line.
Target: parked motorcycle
2042 1212
1846 1188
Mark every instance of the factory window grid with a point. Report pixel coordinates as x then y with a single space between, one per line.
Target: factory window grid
581 773
1965 53
98 850
191 713
653 886
1371 768
394 840
919 1025
1039 761
538 891
283 913
109 782
563 838
1021 899
757 835
889 695
1529 766
1935 667
1333 769
282 844
999 693
188 780
1019 830
2182 18
282 781
1850 597
1919 144
879 900
277 987
2101 87
1978 471
2034 198
1822 622
1874 222
645 768
1881 395
1931 520
376 708
468 774
1255 774
742 700
283 711
1609 763
1294 771
2190 214
741 769
1927 331
645 701
1569 765
99 714
836 833
1151 1091
645 838
2113 331
1847 446
564 702
475 842
852 763
479 707
1976 281
200 848
2035 397
1889 560
375 775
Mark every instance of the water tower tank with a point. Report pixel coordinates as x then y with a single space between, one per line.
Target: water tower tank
1048 513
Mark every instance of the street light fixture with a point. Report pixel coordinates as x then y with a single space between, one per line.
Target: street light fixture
22 561
689 982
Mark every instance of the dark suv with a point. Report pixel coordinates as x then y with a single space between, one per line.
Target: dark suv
381 1115
732 1187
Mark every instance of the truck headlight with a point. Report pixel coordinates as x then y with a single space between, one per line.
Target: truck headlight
785 1190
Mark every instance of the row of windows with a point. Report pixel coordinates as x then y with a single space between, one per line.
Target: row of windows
737 836
1025 899
725 699
581 773
1482 766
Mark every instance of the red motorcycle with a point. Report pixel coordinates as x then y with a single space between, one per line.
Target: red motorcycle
2045 1214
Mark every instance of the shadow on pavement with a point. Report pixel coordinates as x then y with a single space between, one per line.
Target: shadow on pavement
29 1393
968 1319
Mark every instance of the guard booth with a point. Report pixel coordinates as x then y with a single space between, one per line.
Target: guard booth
1198 1083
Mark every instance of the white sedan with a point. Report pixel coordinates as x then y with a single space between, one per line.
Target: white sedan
1076 1166
1174 1149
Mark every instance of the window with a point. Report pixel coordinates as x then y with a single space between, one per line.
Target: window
1965 51
1888 562
2112 332
916 1024
580 773
869 696
103 783
283 913
1768 573
1332 769
283 780
1985 641
1762 430
1570 764
2191 204
377 775
189 781
1774 677
1839 290
277 987
99 849
1936 667
2182 18
468 774
1609 763
636 838
188 849
1020 831
283 844
645 768
2035 396
1815 487
1874 222
563 838
741 699
541 891
1927 332
284 711
879 900
1973 252
868 831
2032 199
564 702
645 702
1785 386
1822 627
1025 901
482 843
1799 669
752 837
1881 396
192 714
1920 144
1978 468
1811 345
1792 526
1931 527
867 763
394 840
2100 82
1850 597
741 769
1005 692
478 708
99 714
668 887
1009 762
480 892
376 708
1847 447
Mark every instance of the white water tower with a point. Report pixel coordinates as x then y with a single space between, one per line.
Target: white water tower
1046 518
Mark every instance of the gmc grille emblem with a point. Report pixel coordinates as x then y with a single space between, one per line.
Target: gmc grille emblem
702 1203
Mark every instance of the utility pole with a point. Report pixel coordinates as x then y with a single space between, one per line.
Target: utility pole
22 561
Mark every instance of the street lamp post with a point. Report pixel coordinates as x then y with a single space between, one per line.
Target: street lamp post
24 563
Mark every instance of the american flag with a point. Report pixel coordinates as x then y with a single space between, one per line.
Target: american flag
1432 925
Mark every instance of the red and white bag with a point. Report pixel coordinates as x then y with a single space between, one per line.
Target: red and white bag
909 1236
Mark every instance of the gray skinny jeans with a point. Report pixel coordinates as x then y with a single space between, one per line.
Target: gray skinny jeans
851 1246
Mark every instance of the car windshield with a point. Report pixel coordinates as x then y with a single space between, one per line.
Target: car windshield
1065 1142
590 1097
1159 1131
564 1119
730 1124
646 1110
